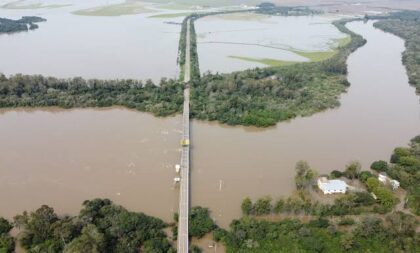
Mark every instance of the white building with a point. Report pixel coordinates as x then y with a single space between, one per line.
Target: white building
395 184
331 186
383 178
386 180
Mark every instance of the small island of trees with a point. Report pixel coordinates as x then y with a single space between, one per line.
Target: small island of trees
24 24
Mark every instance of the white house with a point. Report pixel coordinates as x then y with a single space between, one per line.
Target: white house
386 180
331 186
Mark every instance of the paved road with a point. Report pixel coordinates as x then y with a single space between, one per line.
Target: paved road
184 193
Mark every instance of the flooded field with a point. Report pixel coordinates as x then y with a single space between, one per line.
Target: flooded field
61 158
224 39
105 47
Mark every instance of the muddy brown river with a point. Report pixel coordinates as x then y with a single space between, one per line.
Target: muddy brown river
61 158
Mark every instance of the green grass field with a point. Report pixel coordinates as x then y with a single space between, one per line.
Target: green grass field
265 61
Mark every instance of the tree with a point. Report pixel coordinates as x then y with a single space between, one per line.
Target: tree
37 226
200 222
263 206
385 196
279 206
7 243
353 169
380 166
91 240
5 226
336 174
246 206
372 183
304 175
364 175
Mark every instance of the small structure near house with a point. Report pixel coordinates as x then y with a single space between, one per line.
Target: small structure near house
394 184
382 177
332 186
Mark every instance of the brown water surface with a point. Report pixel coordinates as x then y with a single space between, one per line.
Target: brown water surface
62 158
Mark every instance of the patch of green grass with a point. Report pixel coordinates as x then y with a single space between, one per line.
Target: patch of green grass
343 41
171 15
127 8
315 56
265 61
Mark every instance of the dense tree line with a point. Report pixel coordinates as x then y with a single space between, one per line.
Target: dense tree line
100 227
267 8
194 64
394 233
37 91
24 24
406 24
182 47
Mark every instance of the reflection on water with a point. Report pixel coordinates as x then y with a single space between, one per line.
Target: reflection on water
62 158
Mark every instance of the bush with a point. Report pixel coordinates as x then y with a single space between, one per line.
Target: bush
262 206
336 174
380 166
347 221
364 175
200 222
246 206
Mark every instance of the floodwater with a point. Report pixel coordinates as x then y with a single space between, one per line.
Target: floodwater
61 158
255 36
67 45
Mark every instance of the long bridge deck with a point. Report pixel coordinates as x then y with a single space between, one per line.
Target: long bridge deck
184 192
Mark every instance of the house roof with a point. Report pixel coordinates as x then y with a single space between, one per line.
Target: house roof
332 185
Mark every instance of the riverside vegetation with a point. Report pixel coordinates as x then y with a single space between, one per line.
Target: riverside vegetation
406 25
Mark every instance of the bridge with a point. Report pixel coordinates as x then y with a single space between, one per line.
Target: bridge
184 191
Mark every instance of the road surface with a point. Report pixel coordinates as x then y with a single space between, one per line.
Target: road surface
184 192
